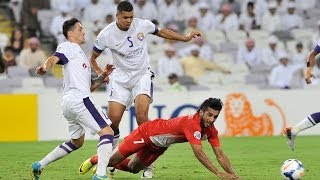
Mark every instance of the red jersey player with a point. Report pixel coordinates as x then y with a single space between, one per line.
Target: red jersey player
151 139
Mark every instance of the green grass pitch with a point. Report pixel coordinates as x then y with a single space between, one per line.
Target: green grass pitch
252 158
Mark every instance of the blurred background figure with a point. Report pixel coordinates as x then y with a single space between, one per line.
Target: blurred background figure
29 15
8 57
271 20
169 63
32 56
57 22
227 20
299 55
16 40
291 20
285 75
249 20
271 52
174 85
196 67
249 55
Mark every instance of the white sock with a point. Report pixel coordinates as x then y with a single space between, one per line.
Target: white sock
115 141
104 153
304 124
59 152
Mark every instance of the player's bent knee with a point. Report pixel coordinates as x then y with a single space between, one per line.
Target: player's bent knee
106 130
141 118
77 143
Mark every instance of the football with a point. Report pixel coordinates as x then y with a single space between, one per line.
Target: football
292 169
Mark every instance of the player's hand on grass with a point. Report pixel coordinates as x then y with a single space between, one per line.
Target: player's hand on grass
309 75
192 34
223 175
41 70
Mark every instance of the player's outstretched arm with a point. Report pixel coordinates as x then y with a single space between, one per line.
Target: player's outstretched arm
94 63
103 77
168 34
41 70
310 63
223 160
203 158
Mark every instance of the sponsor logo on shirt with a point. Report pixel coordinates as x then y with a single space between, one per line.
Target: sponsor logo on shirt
140 36
84 65
197 135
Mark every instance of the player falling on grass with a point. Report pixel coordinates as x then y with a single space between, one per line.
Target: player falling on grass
132 79
151 139
77 105
312 119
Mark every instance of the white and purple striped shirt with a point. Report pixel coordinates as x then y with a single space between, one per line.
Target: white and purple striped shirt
129 49
76 70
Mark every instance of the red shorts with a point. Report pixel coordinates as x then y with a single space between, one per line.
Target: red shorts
135 142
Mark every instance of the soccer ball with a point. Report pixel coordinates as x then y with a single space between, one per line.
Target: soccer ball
292 169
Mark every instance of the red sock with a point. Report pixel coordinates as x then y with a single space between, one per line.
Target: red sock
94 159
123 165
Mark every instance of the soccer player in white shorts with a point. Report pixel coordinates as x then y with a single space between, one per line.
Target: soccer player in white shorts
77 105
132 79
314 118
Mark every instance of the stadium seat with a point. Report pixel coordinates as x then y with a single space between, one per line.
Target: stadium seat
215 37
223 58
259 34
18 72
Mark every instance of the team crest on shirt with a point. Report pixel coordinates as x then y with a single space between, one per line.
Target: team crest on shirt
197 135
140 36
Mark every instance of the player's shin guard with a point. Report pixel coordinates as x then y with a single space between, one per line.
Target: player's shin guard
59 152
104 153
306 123
123 165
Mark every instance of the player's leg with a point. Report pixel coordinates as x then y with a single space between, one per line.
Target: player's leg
95 120
77 138
143 93
306 123
118 101
115 113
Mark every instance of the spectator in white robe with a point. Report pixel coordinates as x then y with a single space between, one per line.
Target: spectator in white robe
291 20
169 63
270 53
227 20
145 9
286 75
56 24
249 55
168 11
206 19
271 20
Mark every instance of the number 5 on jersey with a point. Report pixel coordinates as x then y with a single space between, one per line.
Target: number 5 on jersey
130 41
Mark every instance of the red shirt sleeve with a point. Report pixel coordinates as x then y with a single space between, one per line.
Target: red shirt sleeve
192 131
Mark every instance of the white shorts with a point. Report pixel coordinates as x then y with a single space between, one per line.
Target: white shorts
84 115
126 96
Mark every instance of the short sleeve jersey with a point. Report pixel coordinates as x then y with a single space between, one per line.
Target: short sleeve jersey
76 70
163 133
129 49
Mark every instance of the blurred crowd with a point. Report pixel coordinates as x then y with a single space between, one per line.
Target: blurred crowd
246 43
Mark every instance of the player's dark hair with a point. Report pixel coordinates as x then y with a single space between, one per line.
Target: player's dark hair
213 103
69 25
125 6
